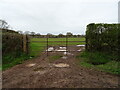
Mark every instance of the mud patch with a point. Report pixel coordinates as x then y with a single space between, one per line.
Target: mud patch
40 72
61 65
39 69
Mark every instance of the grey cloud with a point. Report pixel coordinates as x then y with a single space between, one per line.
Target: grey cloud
57 16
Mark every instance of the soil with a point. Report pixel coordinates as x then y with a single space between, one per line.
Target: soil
40 73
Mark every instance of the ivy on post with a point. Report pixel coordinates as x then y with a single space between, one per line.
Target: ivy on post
47 44
24 44
66 44
27 44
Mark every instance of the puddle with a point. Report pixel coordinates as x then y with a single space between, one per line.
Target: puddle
61 65
30 65
60 49
79 50
67 53
50 49
63 49
80 45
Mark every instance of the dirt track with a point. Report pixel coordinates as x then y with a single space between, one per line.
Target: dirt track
44 75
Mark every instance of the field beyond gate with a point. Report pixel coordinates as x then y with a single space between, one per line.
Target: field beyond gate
38 45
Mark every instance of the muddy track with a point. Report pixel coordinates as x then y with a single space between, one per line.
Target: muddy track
40 73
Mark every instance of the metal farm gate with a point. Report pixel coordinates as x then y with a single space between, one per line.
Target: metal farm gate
52 44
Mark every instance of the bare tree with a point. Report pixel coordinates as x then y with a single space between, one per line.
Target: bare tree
27 32
20 32
3 24
60 35
69 34
49 35
32 33
38 34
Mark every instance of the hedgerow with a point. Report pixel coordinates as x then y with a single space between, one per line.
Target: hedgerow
103 38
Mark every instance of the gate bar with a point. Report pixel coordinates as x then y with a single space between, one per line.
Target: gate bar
66 44
47 46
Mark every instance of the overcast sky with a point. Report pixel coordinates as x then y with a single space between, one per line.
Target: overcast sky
57 16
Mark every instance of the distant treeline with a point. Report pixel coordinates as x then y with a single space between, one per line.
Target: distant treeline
38 35
56 36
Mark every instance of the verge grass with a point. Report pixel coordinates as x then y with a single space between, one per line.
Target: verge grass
54 57
100 61
10 60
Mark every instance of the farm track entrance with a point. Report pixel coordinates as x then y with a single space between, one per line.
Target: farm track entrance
62 73
39 72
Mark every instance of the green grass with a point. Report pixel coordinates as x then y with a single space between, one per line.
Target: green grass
95 58
59 39
111 67
38 47
104 61
54 57
10 61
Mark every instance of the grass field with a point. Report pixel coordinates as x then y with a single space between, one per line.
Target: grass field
38 47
